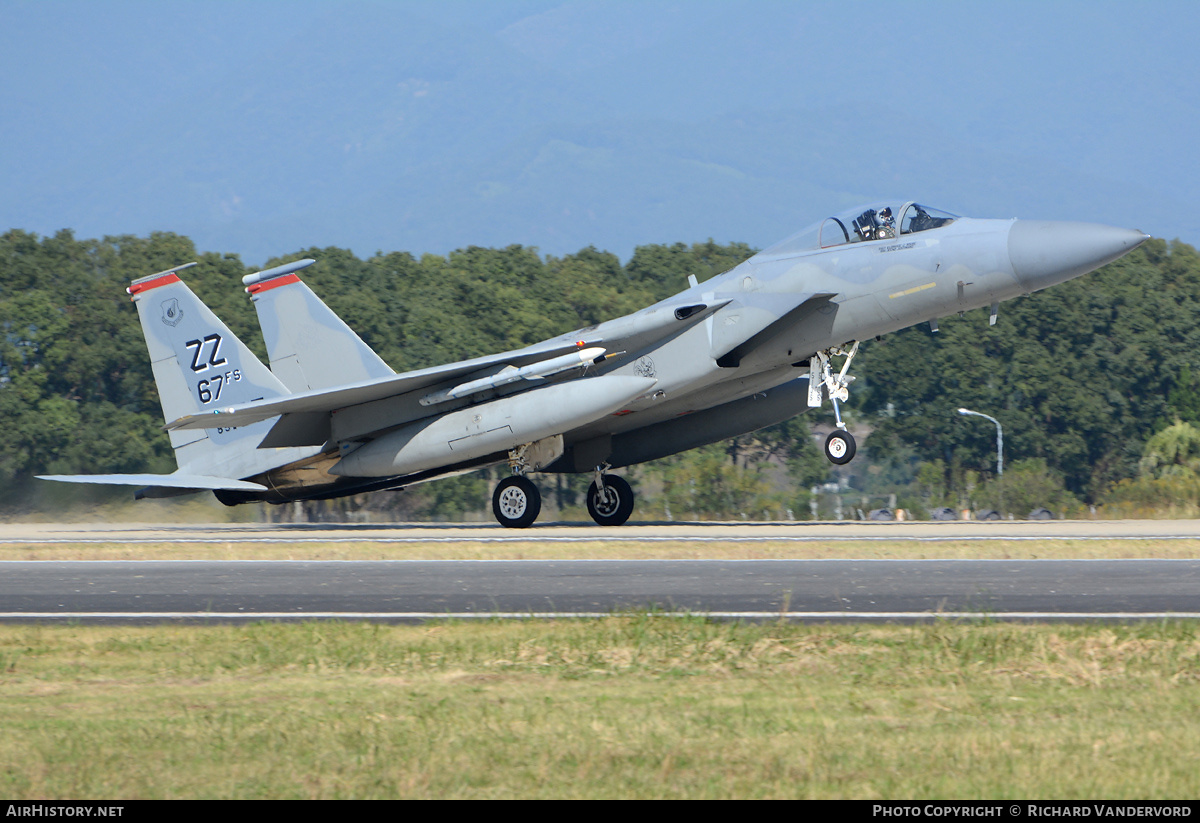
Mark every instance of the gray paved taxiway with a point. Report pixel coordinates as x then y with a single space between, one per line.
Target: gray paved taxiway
410 590
404 590
52 533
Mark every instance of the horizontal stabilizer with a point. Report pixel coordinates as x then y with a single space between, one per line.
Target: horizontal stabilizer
197 482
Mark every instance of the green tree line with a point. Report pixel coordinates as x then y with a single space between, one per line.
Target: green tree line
1082 375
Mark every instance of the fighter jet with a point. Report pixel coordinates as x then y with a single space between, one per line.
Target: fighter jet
748 348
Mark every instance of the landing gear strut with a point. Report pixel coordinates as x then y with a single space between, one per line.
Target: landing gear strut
839 446
609 499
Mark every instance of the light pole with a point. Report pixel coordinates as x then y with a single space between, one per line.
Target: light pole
999 438
999 451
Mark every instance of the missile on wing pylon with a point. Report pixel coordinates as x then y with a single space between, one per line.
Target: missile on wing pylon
495 426
533 371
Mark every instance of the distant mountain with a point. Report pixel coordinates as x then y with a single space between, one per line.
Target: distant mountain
427 127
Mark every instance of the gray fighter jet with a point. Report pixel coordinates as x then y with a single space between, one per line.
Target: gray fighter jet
746 349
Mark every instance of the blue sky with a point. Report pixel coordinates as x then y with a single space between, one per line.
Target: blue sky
261 127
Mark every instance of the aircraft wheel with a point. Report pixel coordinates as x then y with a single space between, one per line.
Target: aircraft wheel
839 447
613 505
516 502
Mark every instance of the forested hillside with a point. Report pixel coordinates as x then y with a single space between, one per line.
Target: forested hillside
1081 376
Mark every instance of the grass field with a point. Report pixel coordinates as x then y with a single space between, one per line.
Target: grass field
629 706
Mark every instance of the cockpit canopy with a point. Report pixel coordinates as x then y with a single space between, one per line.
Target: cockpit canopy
876 221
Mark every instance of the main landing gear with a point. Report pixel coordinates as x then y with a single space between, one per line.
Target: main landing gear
517 502
839 446
609 499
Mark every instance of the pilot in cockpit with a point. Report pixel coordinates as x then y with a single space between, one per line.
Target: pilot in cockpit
875 225
886 227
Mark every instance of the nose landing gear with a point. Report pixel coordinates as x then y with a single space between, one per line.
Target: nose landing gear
839 446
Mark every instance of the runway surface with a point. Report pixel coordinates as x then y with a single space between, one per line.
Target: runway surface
27 533
414 590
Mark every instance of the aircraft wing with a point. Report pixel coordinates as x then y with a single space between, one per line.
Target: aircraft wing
192 482
634 331
328 400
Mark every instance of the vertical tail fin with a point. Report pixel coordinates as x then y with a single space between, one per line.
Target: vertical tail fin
309 346
198 363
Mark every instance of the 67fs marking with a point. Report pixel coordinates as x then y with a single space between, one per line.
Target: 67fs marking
209 389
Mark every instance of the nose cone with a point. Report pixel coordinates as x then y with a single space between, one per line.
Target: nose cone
1044 253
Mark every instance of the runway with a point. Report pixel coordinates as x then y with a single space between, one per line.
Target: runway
55 533
137 591
411 591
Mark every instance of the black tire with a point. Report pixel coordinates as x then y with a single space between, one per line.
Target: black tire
614 505
516 503
839 447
